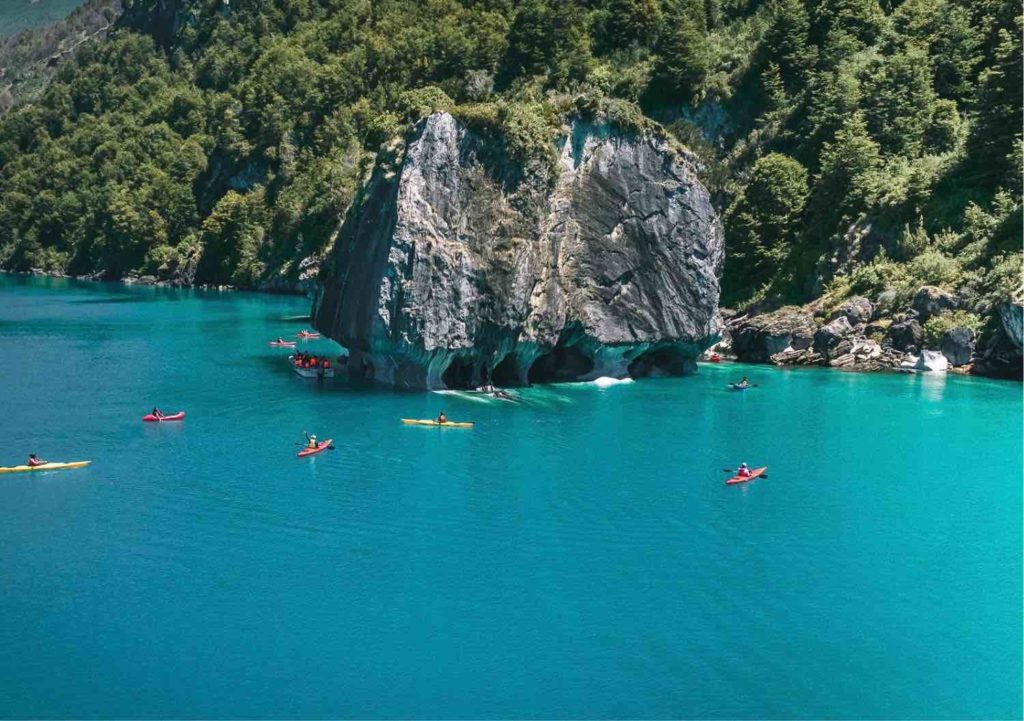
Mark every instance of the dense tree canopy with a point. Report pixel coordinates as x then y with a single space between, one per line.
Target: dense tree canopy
226 141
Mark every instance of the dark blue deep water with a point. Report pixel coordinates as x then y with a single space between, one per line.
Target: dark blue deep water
574 555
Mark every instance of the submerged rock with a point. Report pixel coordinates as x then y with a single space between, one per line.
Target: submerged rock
458 264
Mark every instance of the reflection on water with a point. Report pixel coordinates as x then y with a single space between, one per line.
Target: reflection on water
933 385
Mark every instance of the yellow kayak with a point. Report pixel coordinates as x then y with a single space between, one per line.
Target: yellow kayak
446 424
44 467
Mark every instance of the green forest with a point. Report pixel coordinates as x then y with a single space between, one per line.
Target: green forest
852 146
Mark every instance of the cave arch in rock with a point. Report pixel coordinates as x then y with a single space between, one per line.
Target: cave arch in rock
562 363
462 373
506 373
665 360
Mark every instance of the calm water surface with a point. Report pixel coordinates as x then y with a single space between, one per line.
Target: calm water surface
574 555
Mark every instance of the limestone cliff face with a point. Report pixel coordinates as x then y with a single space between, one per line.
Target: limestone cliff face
456 265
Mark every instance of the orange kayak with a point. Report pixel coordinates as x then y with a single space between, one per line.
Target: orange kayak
754 473
320 447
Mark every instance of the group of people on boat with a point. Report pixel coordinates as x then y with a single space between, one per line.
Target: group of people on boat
496 392
307 360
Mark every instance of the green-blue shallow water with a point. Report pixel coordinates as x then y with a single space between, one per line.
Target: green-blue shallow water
574 555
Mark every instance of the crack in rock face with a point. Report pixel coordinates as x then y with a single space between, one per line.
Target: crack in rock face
461 267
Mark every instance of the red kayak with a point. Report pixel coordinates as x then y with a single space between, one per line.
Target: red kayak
179 416
715 358
320 447
307 334
754 473
281 344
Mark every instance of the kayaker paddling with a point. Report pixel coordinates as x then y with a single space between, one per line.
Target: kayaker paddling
442 418
434 423
745 474
743 385
314 447
157 413
41 465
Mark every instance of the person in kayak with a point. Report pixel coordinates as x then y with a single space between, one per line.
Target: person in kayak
33 461
743 471
442 418
311 441
157 413
743 383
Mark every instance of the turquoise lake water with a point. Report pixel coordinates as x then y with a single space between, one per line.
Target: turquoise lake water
573 555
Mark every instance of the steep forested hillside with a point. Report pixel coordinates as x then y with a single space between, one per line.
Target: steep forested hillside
853 146
28 59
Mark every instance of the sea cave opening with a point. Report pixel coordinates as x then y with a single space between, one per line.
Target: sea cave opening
506 373
563 363
462 373
664 361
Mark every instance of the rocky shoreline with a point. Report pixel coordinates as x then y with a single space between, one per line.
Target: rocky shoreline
303 288
859 336
850 338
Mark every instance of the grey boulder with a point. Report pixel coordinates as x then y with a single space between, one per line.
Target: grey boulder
1011 316
906 336
929 301
757 339
829 336
857 310
957 344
